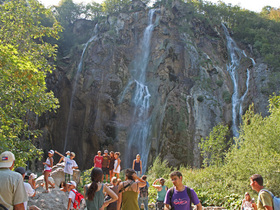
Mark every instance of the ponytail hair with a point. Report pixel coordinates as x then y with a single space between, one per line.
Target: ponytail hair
96 176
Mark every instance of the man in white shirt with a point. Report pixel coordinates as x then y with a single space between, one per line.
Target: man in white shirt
12 192
29 190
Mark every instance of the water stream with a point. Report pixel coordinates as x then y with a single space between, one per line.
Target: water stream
235 55
77 76
140 126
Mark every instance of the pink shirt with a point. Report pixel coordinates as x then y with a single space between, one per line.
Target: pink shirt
98 161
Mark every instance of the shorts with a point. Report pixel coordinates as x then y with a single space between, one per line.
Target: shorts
105 171
48 170
68 178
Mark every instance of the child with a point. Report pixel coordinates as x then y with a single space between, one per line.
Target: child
117 165
47 169
72 194
98 159
70 164
137 165
62 158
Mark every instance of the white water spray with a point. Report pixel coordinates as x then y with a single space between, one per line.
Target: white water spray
140 129
77 76
235 55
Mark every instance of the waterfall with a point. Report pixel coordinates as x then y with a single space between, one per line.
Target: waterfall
235 55
77 76
140 127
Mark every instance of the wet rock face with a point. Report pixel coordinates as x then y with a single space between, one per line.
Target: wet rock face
186 75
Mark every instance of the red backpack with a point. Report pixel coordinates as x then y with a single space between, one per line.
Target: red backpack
78 199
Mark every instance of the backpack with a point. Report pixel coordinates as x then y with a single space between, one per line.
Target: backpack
172 192
79 198
144 192
276 200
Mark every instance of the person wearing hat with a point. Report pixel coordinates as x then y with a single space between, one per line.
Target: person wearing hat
70 164
72 195
12 191
67 155
105 165
29 190
48 169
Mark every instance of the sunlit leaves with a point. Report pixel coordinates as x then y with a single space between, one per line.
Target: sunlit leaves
24 62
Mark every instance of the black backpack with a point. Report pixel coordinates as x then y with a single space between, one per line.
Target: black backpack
172 192
144 192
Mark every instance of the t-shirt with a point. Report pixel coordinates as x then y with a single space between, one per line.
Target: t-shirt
98 161
68 165
105 161
72 195
30 192
12 190
266 200
180 199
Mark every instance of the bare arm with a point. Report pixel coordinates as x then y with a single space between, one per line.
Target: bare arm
59 153
19 206
158 187
112 194
69 203
141 182
133 164
119 201
199 206
268 207
119 162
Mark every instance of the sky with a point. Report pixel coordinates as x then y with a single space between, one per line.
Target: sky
253 5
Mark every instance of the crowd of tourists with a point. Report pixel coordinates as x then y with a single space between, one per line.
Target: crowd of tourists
129 194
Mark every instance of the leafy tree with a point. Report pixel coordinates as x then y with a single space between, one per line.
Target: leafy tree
24 63
214 146
112 6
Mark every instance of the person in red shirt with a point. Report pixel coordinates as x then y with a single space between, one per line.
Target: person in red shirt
98 159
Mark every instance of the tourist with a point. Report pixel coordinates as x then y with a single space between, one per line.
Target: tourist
62 186
29 190
75 199
12 191
248 203
105 165
98 160
143 194
137 165
181 193
111 164
48 169
161 192
94 192
62 158
32 181
129 190
117 165
114 186
265 200
70 164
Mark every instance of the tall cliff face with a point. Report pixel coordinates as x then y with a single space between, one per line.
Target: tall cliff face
186 81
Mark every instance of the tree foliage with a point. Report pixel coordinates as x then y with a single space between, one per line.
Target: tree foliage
214 147
24 63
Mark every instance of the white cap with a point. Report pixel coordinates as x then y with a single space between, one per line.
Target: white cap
67 152
6 159
51 152
33 176
72 183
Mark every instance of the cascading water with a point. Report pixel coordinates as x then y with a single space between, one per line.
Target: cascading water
139 131
77 76
235 55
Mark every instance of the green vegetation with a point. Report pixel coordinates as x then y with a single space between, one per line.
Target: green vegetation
24 63
225 177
